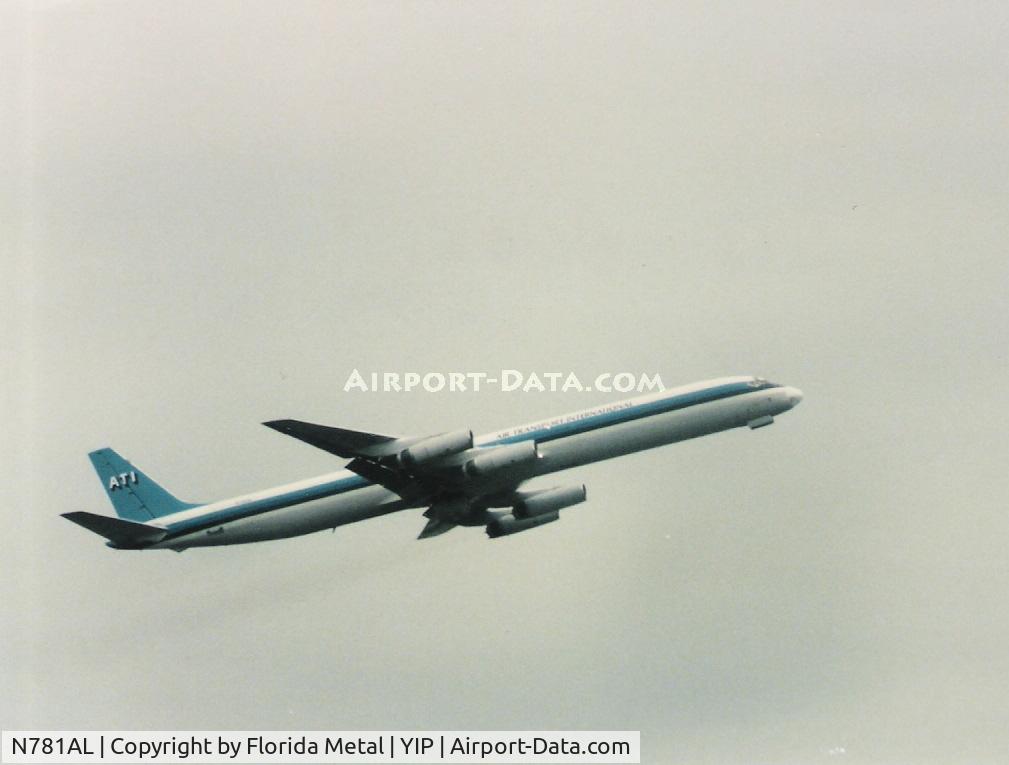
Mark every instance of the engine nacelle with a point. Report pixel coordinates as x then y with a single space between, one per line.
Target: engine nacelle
436 447
549 501
501 458
509 524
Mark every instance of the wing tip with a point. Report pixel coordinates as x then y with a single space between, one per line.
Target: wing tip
278 424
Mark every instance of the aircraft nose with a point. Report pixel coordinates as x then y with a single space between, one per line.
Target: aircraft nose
794 396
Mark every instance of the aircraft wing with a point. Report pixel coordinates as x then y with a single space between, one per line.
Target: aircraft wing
338 441
399 481
458 481
445 462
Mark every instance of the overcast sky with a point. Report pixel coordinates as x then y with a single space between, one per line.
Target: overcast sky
218 210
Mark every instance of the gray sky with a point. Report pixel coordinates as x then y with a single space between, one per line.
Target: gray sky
217 211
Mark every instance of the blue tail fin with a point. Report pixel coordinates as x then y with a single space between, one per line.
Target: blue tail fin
134 496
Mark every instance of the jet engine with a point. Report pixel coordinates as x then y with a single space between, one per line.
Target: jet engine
509 524
436 447
500 458
549 501
536 509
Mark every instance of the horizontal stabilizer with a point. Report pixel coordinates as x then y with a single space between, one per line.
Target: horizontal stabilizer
338 441
121 533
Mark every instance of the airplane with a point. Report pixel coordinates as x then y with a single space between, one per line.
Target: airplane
459 479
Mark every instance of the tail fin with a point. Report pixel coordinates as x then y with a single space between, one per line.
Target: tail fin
134 496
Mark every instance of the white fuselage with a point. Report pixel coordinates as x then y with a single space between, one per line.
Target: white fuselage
590 435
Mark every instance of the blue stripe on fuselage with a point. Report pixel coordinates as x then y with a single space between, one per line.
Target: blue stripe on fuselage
266 504
541 434
616 416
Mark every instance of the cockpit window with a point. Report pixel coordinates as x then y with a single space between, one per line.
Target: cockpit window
759 383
